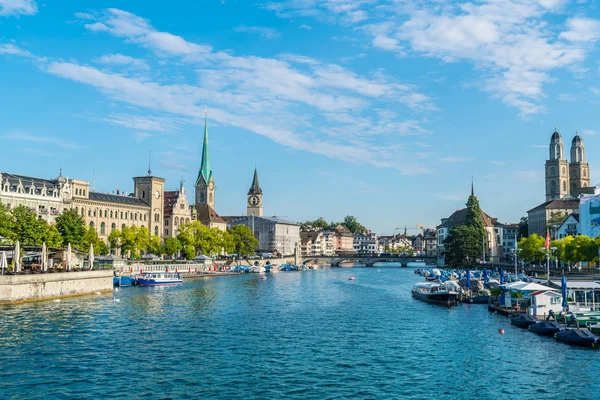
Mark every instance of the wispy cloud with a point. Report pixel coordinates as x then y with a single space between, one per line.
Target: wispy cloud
590 132
539 146
566 97
120 59
55 141
267 33
305 27
17 7
498 163
456 159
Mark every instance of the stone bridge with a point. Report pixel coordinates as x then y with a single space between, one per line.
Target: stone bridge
369 261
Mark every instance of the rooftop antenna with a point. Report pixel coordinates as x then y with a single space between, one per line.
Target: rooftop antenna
149 162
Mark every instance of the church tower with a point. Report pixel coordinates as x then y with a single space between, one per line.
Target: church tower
255 197
557 170
205 184
579 170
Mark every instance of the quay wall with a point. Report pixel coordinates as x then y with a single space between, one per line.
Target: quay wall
14 288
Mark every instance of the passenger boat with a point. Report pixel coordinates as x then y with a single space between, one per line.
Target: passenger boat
579 337
159 278
434 293
523 320
546 328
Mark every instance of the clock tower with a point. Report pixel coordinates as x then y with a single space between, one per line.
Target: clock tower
255 197
205 184
150 189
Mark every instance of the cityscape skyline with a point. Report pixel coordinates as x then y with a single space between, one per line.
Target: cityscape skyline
332 105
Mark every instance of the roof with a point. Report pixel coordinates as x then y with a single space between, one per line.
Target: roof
511 226
205 171
556 135
206 214
306 237
255 188
459 217
578 284
271 219
577 139
115 198
571 204
170 199
27 180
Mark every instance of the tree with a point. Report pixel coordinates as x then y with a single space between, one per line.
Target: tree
189 252
114 239
404 249
206 240
52 236
71 227
172 246
27 228
462 243
6 223
134 239
555 221
155 245
524 227
319 223
244 242
353 225
530 248
473 219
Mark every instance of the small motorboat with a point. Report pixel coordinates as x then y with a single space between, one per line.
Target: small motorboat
435 293
578 337
159 278
546 328
523 320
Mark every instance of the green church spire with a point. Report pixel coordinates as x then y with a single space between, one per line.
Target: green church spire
205 170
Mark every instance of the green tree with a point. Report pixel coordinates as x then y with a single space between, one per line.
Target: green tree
524 227
319 223
530 248
172 246
114 239
462 243
244 242
555 221
473 219
71 227
6 224
155 245
27 227
352 224
207 240
52 236
189 252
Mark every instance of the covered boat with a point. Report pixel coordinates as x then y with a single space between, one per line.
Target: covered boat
546 328
579 337
159 278
523 320
125 280
435 293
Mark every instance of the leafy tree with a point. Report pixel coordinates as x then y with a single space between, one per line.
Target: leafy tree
91 238
114 239
207 240
462 244
319 223
353 225
189 252
6 223
530 248
404 249
27 228
244 242
524 227
555 221
71 227
52 236
134 239
474 220
155 245
172 246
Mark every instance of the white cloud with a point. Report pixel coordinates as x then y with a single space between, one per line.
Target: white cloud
498 163
120 59
455 159
17 7
305 27
590 132
266 33
143 122
566 97
582 30
54 141
386 43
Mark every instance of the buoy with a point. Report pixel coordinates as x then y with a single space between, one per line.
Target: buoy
264 278
501 331
351 278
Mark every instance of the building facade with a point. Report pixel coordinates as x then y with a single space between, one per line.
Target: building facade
255 197
570 227
344 241
540 215
589 215
365 243
274 235
177 211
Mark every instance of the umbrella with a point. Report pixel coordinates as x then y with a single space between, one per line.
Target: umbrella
502 277
3 262
69 256
468 279
91 257
563 288
485 278
44 257
17 257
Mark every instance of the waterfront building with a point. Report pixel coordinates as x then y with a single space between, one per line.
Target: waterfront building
589 215
204 200
418 244
47 197
510 238
328 243
255 197
539 216
274 235
365 243
431 243
177 211
344 242
570 227
310 243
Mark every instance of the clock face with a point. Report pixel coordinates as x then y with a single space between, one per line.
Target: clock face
253 201
157 194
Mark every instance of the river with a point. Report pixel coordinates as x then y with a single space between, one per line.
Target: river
296 335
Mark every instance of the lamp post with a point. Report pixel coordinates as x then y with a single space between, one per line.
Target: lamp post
516 250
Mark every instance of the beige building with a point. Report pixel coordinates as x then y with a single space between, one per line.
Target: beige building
539 216
177 211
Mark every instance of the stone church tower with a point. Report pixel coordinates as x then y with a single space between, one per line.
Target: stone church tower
255 197
205 184
557 170
579 169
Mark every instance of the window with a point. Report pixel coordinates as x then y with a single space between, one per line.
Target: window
143 194
201 197
584 172
122 226
121 214
77 210
84 192
182 206
136 216
95 211
565 186
187 220
176 221
111 214
91 224
126 216
90 212
105 213
156 218
102 229
82 211
113 227
166 222
156 230
145 217
166 232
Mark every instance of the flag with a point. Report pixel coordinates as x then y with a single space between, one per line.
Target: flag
547 244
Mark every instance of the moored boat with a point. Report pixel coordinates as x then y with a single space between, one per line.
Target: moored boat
124 281
434 293
523 320
582 319
546 328
159 278
578 337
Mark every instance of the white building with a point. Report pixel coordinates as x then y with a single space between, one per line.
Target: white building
274 235
365 243
570 227
589 215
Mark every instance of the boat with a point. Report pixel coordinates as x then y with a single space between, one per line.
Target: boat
523 320
159 278
578 337
124 281
434 293
581 319
546 328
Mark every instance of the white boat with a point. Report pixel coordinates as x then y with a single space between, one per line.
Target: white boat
435 293
159 278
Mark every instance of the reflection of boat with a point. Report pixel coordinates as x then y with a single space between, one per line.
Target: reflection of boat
546 328
124 281
159 278
435 293
579 337
523 320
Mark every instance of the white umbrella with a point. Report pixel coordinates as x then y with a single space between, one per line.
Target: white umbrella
17 257
69 256
91 257
3 262
44 257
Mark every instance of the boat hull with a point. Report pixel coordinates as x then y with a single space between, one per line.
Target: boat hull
546 328
577 337
447 299
151 282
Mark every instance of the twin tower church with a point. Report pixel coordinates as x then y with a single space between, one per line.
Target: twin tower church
564 178
204 200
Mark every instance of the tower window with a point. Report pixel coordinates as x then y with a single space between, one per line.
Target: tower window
143 194
565 186
201 197
584 172
156 230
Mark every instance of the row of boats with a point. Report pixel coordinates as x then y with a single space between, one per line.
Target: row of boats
562 332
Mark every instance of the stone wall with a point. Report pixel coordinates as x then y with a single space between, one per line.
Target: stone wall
46 286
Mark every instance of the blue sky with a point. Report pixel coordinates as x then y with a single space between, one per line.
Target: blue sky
382 109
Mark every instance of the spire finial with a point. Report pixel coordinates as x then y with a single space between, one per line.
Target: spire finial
472 187
555 128
576 132
149 162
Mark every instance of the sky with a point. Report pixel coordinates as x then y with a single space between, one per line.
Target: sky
381 109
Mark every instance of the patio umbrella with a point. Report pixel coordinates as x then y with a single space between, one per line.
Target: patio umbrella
91 257
468 279
485 278
3 262
502 280
17 257
69 256
563 288
44 257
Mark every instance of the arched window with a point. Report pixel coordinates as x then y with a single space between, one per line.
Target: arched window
565 186
145 215
143 194
156 230
105 213
91 224
176 221
102 229
111 214
113 227
90 212
126 215
584 172
122 226
121 214
201 200
187 220
95 212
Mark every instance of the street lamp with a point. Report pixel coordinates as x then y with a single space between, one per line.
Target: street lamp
548 259
516 251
